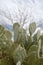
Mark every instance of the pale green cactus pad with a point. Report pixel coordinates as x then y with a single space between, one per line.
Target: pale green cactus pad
16 31
32 27
19 54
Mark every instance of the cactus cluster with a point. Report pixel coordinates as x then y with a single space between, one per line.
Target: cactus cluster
24 50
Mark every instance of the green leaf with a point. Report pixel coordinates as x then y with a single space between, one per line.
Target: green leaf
32 28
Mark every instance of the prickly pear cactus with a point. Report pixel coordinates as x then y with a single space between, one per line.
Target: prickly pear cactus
26 52
19 54
32 28
16 31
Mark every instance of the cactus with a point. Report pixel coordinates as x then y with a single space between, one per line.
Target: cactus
19 54
24 49
16 31
32 28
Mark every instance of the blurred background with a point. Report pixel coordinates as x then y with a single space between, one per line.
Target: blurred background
12 11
